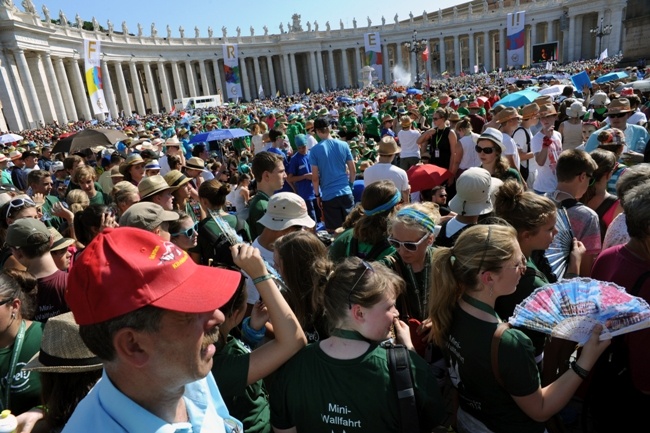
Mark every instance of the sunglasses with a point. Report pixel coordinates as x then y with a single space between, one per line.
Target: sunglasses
592 178
616 115
436 118
367 268
19 203
409 246
485 150
189 232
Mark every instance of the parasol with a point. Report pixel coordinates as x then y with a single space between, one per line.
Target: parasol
219 134
518 99
88 138
10 138
426 176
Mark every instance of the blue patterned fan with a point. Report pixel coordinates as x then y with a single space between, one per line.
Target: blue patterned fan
571 308
559 251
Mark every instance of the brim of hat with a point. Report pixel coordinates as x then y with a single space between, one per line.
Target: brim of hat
183 182
462 207
501 145
156 191
618 112
278 224
192 167
35 364
61 244
198 294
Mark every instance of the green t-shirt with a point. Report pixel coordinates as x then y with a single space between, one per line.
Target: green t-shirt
209 230
340 248
319 394
26 385
49 219
100 198
256 210
372 125
470 368
247 403
350 124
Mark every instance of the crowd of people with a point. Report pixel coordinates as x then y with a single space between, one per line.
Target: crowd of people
252 284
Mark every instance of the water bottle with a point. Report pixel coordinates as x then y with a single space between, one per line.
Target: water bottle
8 422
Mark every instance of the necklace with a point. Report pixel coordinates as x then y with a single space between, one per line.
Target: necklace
422 299
480 305
349 335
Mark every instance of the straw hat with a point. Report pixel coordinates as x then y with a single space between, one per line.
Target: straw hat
152 185
176 178
58 241
14 155
529 111
173 141
547 110
405 121
115 172
388 146
507 114
62 350
387 118
620 105
131 160
454 116
195 163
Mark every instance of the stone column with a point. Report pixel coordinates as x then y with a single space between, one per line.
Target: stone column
321 70
9 99
358 64
578 54
288 83
294 73
28 82
244 79
269 66
191 78
313 70
137 89
487 51
332 70
258 77
108 90
549 31
151 88
178 85
457 63
346 68
502 49
121 85
614 45
164 86
472 52
41 83
533 35
427 63
78 90
59 106
205 83
385 63
66 92
413 66
398 51
217 78
443 55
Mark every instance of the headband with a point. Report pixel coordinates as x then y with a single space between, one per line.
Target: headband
420 217
386 206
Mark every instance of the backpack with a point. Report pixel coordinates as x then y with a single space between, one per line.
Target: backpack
525 171
219 251
399 365
601 211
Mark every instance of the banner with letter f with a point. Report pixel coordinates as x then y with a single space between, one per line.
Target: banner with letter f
93 73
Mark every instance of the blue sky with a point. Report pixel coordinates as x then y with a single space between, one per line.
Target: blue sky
204 13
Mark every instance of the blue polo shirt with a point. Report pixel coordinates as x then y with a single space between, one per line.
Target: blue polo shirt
106 409
298 166
331 157
636 138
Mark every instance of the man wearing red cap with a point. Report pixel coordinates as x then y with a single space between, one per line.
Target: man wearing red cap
152 315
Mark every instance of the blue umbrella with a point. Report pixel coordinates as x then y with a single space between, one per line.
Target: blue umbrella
519 98
219 134
344 99
611 77
296 107
414 91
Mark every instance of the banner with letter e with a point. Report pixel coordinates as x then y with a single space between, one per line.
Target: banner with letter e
231 70
93 72
516 39
374 58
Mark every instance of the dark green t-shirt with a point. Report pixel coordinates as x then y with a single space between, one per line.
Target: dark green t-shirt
209 231
256 210
340 248
26 385
319 394
247 403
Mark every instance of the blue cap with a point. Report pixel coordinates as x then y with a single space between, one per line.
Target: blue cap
300 140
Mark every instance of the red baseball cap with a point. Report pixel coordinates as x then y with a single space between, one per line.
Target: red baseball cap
124 269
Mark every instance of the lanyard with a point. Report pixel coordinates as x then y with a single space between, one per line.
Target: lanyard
439 136
18 345
422 298
349 335
481 306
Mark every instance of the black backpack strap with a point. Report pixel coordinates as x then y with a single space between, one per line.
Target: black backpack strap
399 365
527 137
568 203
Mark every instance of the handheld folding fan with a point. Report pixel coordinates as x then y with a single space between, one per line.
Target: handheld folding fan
559 251
571 308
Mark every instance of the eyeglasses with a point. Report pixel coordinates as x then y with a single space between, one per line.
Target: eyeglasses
367 268
19 203
409 246
189 232
519 267
592 178
485 248
616 115
485 150
436 118
9 299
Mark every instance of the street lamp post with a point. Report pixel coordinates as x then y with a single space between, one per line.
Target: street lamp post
599 31
416 46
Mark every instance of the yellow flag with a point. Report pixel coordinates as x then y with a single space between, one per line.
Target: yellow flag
277 94
308 91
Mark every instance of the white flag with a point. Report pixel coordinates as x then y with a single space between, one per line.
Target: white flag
476 69
260 92
549 66
603 56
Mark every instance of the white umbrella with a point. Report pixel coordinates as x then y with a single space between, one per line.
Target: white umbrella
10 138
555 90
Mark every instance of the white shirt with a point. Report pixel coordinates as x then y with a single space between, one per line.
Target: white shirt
408 142
311 141
386 171
511 150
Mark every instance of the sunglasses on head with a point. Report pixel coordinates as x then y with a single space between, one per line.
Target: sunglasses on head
485 150
188 232
409 246
19 203
366 267
616 115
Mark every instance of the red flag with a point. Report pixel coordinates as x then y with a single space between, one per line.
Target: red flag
425 54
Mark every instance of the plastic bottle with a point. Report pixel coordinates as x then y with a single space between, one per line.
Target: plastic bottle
8 422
